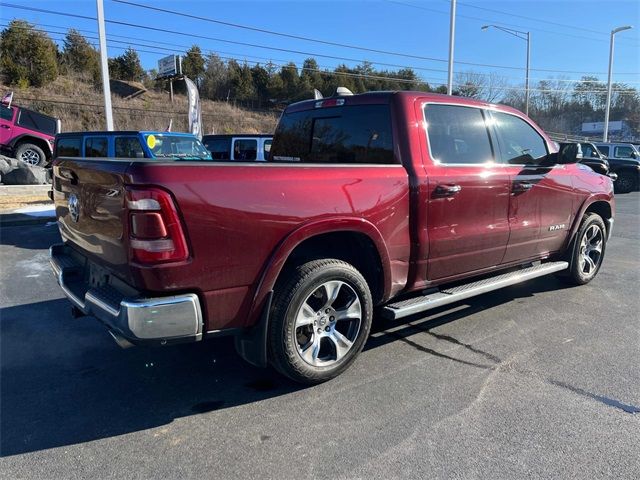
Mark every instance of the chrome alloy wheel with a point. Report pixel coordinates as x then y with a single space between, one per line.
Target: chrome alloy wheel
591 249
30 157
328 323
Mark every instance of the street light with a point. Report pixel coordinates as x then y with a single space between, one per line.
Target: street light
605 135
523 36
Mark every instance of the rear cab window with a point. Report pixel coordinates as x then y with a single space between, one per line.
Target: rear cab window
349 134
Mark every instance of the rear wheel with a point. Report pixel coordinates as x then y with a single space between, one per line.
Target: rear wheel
626 182
320 321
30 154
588 251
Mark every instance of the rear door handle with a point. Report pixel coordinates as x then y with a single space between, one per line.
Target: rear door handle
448 190
5 126
522 186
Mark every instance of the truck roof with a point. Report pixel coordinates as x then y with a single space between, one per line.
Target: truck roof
125 132
234 135
383 97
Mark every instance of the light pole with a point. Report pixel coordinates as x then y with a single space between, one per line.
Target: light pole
452 39
605 135
523 36
104 66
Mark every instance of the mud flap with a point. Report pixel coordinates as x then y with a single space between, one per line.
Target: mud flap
252 344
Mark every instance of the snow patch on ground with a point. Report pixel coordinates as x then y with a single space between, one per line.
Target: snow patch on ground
37 211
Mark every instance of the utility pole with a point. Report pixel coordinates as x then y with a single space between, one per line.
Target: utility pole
605 135
106 88
526 36
452 39
526 82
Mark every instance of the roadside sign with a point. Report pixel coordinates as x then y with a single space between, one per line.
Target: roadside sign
170 66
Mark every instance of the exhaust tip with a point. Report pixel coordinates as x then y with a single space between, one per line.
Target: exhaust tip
120 340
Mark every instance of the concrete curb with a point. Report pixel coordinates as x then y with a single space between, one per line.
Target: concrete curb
24 189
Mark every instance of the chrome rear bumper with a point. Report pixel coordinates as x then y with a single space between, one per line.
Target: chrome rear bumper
160 320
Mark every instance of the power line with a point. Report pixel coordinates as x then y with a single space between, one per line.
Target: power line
217 52
330 73
485 20
323 72
193 35
348 74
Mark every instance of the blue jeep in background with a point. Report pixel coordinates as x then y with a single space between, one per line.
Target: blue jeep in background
130 144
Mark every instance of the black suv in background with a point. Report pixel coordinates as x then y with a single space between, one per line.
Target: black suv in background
623 161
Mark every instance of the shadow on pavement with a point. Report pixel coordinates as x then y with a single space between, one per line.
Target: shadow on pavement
39 236
64 381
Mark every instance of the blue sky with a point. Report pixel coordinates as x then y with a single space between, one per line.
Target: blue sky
568 38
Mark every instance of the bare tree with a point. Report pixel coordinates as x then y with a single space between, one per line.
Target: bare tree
490 87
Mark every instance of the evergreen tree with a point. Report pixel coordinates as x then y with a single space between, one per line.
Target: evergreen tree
79 56
193 64
127 66
27 56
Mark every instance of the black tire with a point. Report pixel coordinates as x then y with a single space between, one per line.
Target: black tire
626 182
304 287
30 154
581 271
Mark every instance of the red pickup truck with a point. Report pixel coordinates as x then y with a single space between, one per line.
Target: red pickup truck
401 201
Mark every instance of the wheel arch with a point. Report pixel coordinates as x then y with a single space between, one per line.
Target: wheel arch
38 141
602 204
342 238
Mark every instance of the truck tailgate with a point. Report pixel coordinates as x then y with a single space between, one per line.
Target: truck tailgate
89 197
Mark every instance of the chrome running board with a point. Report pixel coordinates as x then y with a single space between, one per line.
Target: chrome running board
404 308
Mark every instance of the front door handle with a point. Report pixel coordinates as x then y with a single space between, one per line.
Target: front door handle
523 186
5 126
448 190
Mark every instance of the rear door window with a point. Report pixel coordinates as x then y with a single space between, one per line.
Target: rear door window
37 121
245 149
457 135
357 134
96 147
520 143
604 150
128 147
68 147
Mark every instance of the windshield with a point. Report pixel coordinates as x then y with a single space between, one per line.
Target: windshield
176 146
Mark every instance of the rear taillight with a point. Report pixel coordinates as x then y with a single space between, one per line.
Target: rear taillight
155 231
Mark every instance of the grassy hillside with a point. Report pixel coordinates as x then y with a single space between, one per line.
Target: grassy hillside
80 107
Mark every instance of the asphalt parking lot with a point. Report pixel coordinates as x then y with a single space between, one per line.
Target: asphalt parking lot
537 381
